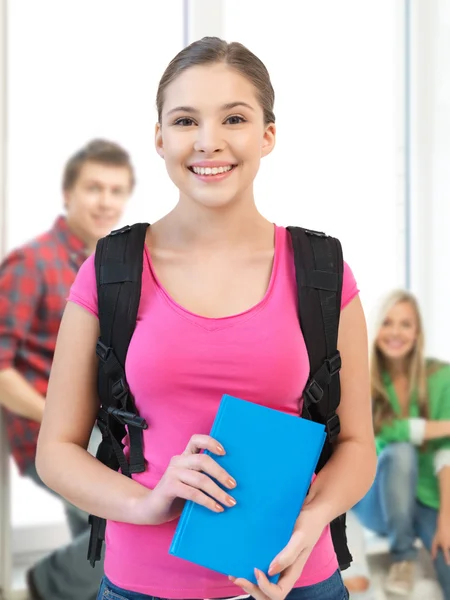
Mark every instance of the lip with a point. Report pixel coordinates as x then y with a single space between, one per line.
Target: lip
395 345
212 164
103 219
213 178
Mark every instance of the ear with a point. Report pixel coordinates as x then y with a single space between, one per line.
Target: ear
268 139
66 198
159 145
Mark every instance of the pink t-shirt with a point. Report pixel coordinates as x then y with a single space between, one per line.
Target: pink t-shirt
178 367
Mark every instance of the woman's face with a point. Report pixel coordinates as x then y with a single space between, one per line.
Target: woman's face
398 333
212 134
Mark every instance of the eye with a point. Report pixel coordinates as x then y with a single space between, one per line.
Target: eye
235 120
184 122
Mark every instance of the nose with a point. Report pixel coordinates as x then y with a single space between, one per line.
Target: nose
105 198
209 139
396 330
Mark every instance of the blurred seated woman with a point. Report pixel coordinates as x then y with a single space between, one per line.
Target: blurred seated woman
410 497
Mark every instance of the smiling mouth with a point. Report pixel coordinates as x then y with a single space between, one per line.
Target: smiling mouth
211 170
395 344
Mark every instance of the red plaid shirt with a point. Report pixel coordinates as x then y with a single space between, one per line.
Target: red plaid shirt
34 284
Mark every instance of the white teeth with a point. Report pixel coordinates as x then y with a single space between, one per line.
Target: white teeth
211 170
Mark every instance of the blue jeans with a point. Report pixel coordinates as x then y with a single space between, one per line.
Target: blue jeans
330 589
390 509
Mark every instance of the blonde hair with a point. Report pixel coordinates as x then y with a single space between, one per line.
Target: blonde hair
416 364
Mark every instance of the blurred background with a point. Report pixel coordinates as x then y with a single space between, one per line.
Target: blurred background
363 149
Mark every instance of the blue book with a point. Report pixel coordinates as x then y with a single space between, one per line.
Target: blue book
272 456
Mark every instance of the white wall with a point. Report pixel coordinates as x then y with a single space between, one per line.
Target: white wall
5 562
337 70
430 157
78 69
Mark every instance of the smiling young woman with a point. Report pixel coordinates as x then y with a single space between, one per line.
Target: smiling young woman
218 314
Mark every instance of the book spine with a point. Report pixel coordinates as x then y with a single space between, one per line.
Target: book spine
216 423
189 504
308 482
181 524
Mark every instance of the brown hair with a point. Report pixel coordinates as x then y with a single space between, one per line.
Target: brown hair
210 50
417 368
97 151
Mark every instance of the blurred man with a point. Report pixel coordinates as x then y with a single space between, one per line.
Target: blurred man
34 284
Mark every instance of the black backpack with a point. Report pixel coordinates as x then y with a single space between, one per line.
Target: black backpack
118 266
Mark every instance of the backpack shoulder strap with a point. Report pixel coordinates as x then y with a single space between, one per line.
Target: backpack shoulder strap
118 269
319 273
118 265
319 268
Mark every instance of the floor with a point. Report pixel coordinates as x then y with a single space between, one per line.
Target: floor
426 587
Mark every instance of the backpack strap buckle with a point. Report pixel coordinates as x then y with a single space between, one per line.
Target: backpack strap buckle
127 418
102 351
313 392
333 427
121 230
315 233
120 389
334 363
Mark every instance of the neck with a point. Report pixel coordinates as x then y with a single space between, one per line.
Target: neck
89 243
214 228
397 368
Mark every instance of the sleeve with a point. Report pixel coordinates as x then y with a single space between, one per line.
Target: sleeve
21 289
349 286
84 289
441 412
441 460
398 430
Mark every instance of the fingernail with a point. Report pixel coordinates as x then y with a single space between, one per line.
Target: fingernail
273 568
231 501
220 449
231 578
257 573
231 482
219 508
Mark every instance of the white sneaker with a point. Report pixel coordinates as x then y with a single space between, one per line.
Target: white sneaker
400 579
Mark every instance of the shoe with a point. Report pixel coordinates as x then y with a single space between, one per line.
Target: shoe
31 586
400 579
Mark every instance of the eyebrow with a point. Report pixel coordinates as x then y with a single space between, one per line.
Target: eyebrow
103 183
228 106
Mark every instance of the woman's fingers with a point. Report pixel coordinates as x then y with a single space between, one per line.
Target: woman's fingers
200 442
288 555
198 477
205 464
188 492
264 590
271 590
248 587
204 484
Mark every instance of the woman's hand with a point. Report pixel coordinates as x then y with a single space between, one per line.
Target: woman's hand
292 559
442 538
188 477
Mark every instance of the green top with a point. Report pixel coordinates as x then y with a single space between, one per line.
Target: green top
399 429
